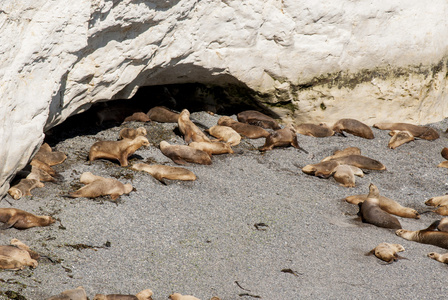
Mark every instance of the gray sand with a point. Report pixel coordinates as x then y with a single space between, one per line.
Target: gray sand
199 237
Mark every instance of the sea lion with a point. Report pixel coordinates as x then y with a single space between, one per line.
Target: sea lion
345 175
43 166
51 158
322 169
137 117
226 134
177 296
441 225
96 186
76 294
354 127
24 187
438 201
315 130
387 252
360 161
249 131
442 210
113 113
257 118
33 254
444 153
190 131
443 258
14 258
161 172
20 219
281 138
118 150
443 164
41 175
162 115
143 295
370 211
341 153
399 138
131 133
181 154
422 132
425 236
212 148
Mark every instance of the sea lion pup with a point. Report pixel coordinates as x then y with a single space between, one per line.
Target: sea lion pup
177 296
96 186
76 294
399 138
212 148
257 118
422 132
20 219
425 236
162 115
387 252
282 138
137 117
161 172
443 258
43 166
249 131
437 201
225 133
143 295
370 211
323 169
354 127
24 187
131 133
360 161
118 150
190 131
345 175
315 130
14 258
51 158
341 153
181 154
39 174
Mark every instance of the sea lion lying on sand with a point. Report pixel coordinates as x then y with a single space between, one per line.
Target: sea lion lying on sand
162 114
387 252
249 131
316 130
226 134
354 127
76 294
181 154
161 172
257 118
20 219
422 132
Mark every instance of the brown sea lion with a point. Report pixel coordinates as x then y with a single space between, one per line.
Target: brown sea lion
143 295
43 166
51 158
345 175
162 115
177 296
425 236
24 187
131 133
341 153
39 174
137 117
315 130
33 254
226 134
20 219
249 131
257 118
360 161
212 148
190 131
442 224
161 172
387 252
322 169
443 258
14 258
76 294
113 113
399 138
438 201
281 138
422 132
118 150
181 154
442 210
96 186
444 153
354 127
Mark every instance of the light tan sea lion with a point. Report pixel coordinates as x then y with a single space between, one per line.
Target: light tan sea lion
322 169
257 118
370 211
354 127
443 258
399 138
161 172
76 294
345 175
117 150
177 296
51 158
438 201
315 130
190 131
162 115
137 117
181 154
360 161
143 295
43 166
442 210
24 187
444 153
421 132
212 148
33 254
131 133
96 186
341 153
387 252
249 131
226 134
443 164
39 174
425 236
14 258
281 138
20 219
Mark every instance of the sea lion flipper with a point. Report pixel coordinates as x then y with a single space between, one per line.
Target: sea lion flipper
114 196
6 225
179 160
159 178
433 226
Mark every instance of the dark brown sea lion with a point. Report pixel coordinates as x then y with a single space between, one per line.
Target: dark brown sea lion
399 138
117 150
161 172
422 132
190 131
425 236
20 219
76 294
360 161
257 118
322 169
226 134
143 295
212 148
137 117
131 133
162 115
181 154
444 153
113 113
354 127
316 130
51 158
24 187
281 138
387 252
249 131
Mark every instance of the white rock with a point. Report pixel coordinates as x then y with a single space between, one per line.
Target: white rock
373 61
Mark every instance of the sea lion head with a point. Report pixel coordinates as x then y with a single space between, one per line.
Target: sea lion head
141 140
145 295
128 188
141 131
373 191
15 193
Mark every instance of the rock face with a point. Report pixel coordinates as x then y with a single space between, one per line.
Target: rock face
305 60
